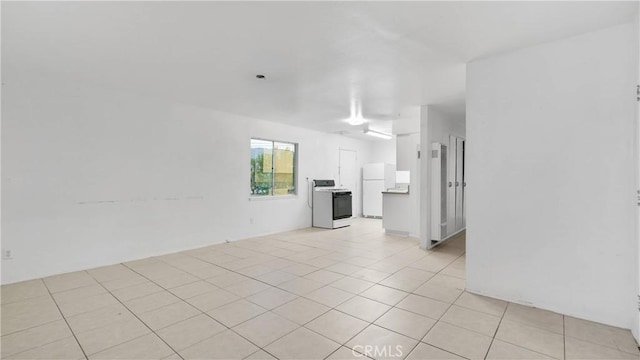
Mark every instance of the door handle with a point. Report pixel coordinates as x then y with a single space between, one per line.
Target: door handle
450 184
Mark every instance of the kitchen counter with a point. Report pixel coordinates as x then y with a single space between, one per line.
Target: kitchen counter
397 192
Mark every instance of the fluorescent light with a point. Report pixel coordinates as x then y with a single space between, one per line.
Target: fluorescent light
378 134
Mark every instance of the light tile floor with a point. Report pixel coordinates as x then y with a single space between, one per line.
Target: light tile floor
306 294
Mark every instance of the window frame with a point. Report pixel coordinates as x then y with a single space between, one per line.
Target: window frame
272 195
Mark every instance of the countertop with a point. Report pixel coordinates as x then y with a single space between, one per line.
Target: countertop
396 192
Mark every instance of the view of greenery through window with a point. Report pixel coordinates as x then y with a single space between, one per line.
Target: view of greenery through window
272 167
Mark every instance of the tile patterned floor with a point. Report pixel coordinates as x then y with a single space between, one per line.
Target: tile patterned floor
306 294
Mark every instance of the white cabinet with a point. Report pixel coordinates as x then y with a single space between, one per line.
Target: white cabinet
372 197
394 218
447 188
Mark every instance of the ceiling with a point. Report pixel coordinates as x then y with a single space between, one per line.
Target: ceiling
319 58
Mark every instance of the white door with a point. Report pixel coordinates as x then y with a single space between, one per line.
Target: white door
439 190
451 188
455 186
348 172
459 184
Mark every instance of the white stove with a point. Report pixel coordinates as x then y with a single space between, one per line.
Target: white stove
332 207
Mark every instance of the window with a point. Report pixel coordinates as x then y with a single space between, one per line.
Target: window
273 168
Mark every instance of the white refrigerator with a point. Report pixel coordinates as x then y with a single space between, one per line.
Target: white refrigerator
376 178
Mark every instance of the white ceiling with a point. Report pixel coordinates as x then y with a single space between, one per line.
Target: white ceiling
317 57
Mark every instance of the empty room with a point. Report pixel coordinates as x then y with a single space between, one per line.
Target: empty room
320 180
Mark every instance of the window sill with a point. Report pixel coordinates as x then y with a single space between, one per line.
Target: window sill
272 197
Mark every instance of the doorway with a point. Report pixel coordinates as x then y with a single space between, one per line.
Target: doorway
447 200
442 177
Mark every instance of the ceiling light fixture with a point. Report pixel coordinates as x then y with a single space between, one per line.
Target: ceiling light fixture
378 134
355 118
355 121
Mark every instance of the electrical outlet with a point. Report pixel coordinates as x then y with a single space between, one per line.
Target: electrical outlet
7 254
251 221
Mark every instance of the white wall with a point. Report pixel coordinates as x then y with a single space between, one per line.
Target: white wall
94 176
407 160
435 126
635 329
383 151
550 212
408 121
441 125
407 131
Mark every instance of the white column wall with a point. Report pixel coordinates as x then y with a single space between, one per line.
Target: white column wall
551 160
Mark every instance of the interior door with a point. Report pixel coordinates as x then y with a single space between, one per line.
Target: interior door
439 190
348 172
459 184
451 189
464 187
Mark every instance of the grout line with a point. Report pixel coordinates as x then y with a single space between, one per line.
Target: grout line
299 326
530 350
498 327
449 307
331 308
372 323
32 327
338 349
334 308
564 338
39 346
203 312
95 295
136 316
65 318
206 312
25 299
241 297
535 327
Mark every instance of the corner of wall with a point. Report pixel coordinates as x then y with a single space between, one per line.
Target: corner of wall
635 329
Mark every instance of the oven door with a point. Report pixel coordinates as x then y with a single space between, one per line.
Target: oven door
341 205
